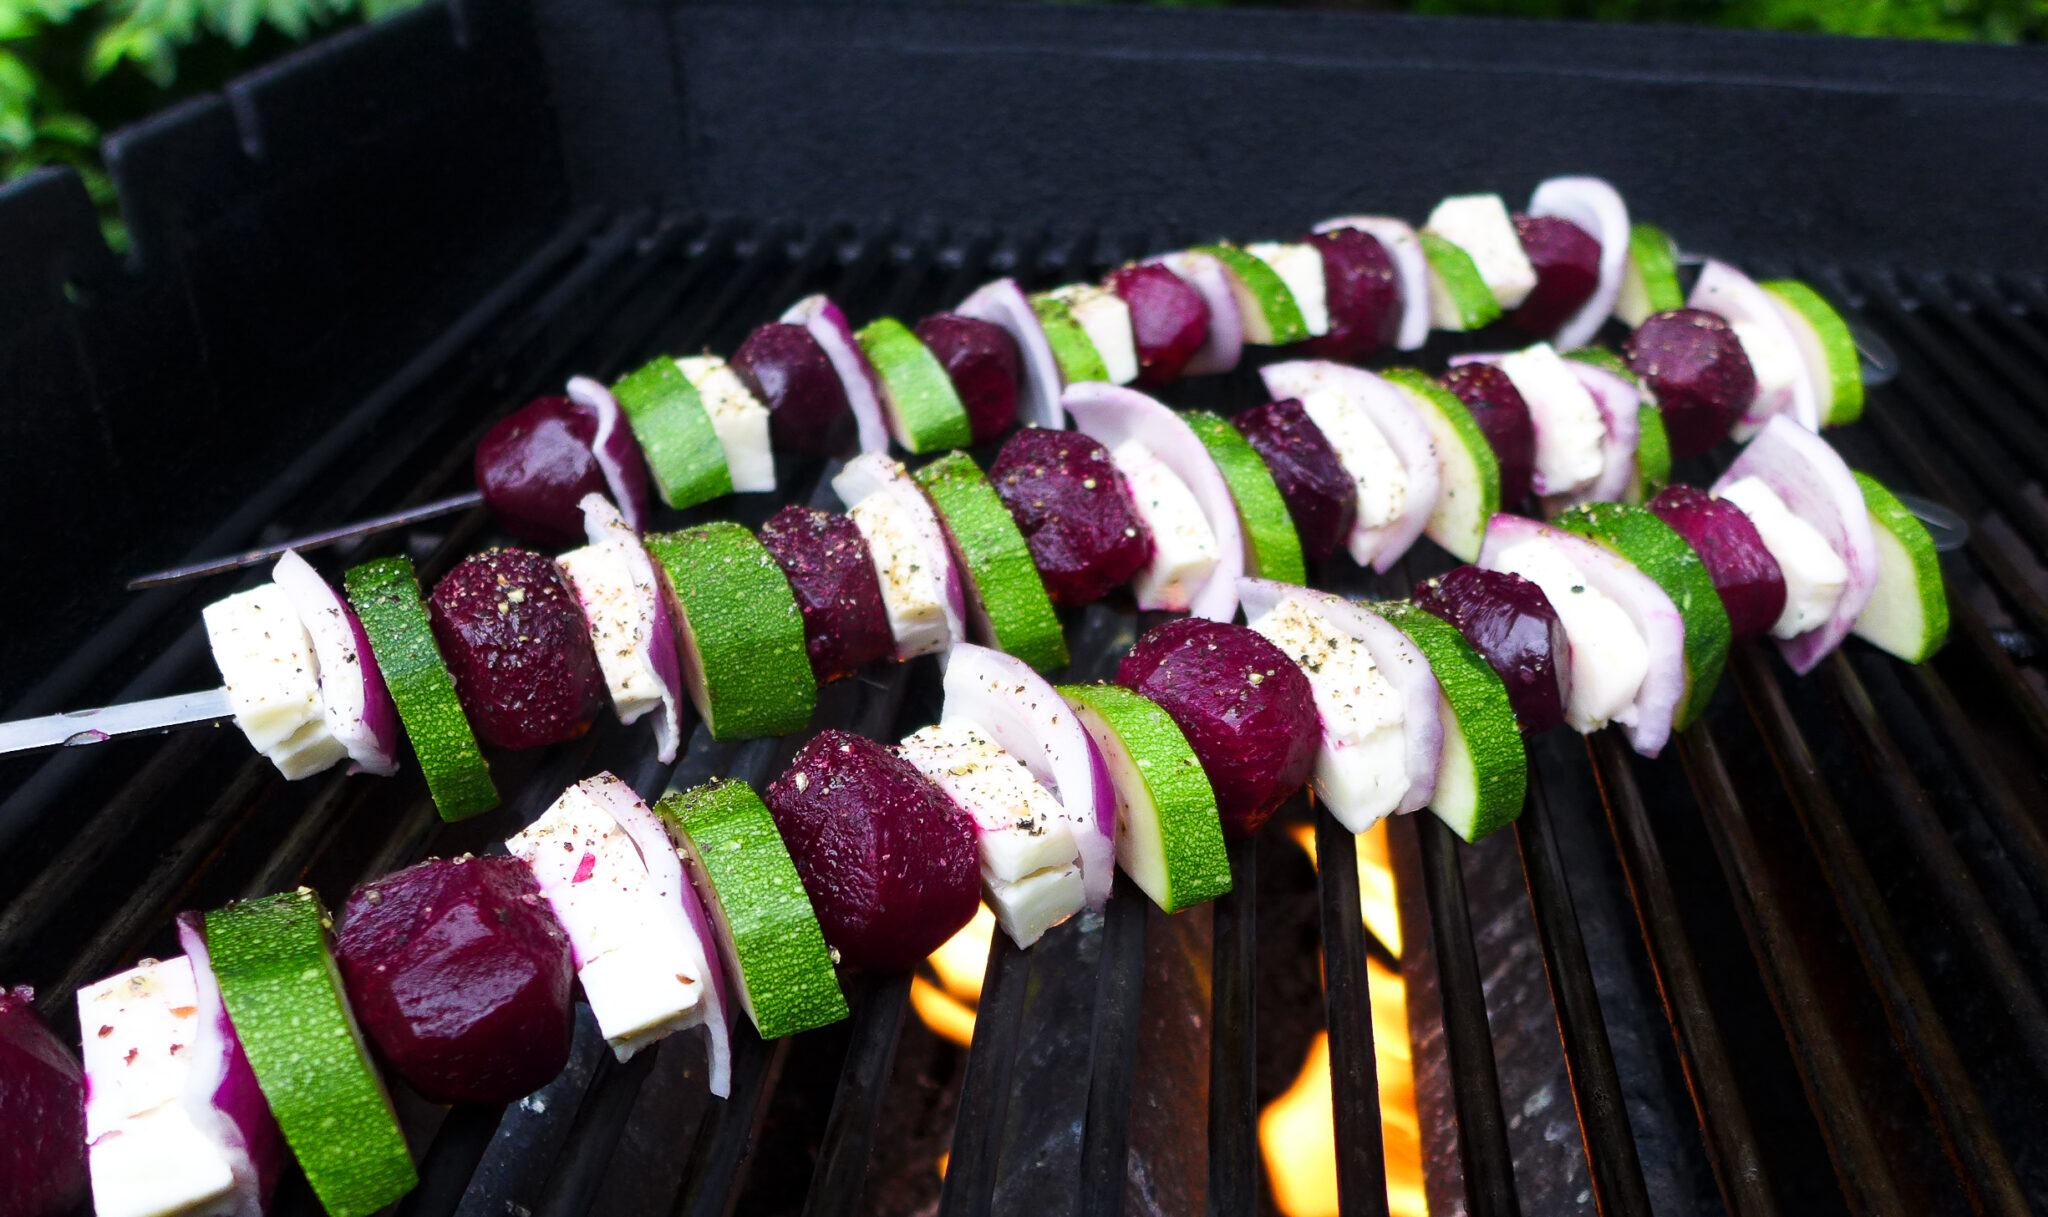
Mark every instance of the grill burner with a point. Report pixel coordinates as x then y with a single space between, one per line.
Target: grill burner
1774 963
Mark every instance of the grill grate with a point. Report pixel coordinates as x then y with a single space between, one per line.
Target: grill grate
1947 751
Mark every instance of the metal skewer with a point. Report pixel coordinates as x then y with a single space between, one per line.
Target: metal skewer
78 727
347 532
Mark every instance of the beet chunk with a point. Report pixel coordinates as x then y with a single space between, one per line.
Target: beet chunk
1744 572
1510 621
1245 707
1322 498
888 860
833 575
786 368
42 1114
460 973
1362 291
1501 413
536 465
983 362
1075 510
1696 366
1169 319
1567 262
517 643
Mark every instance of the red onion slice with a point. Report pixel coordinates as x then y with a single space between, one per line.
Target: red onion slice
1028 718
1596 207
1411 268
654 627
1112 414
1002 303
1398 423
1784 383
1224 344
828 326
682 910
221 1095
1648 716
359 710
1619 401
1399 662
617 452
1810 476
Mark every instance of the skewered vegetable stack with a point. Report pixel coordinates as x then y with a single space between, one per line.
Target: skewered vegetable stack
1025 794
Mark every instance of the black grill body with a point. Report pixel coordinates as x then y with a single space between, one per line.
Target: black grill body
1794 966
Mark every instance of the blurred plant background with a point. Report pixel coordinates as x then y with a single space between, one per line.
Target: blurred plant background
71 70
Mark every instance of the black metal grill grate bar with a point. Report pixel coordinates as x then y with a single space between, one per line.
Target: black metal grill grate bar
606 290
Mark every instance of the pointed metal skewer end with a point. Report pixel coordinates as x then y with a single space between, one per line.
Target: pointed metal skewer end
78 727
347 532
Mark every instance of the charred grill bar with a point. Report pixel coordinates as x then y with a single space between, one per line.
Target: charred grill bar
1833 892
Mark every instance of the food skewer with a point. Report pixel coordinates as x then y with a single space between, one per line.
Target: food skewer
1355 285
1295 693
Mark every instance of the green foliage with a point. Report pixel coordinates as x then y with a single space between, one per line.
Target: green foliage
70 69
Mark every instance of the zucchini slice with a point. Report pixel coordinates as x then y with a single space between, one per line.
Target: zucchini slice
1005 596
386 597
1272 546
1485 771
739 633
676 434
773 947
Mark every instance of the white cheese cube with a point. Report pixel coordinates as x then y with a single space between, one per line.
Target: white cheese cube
1184 546
1608 655
1363 450
145 1153
1814 573
1300 267
642 978
913 588
738 418
1362 764
602 577
1020 827
273 679
1480 225
1030 906
1106 319
1778 367
1570 434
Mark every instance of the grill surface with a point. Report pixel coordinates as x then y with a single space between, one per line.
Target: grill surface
1777 960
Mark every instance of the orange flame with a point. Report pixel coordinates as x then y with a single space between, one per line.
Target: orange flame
1296 1134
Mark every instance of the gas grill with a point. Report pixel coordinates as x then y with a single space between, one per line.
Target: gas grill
1796 965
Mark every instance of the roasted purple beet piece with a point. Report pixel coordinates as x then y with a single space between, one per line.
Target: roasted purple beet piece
983 362
1694 363
42 1114
1510 621
1501 413
519 647
786 368
1244 706
889 861
833 575
1169 319
1075 510
1744 572
1322 498
1362 292
1567 262
536 465
461 975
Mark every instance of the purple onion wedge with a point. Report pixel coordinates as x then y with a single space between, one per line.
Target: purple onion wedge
360 713
1026 716
829 327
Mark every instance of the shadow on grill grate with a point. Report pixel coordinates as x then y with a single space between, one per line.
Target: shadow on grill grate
1836 889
